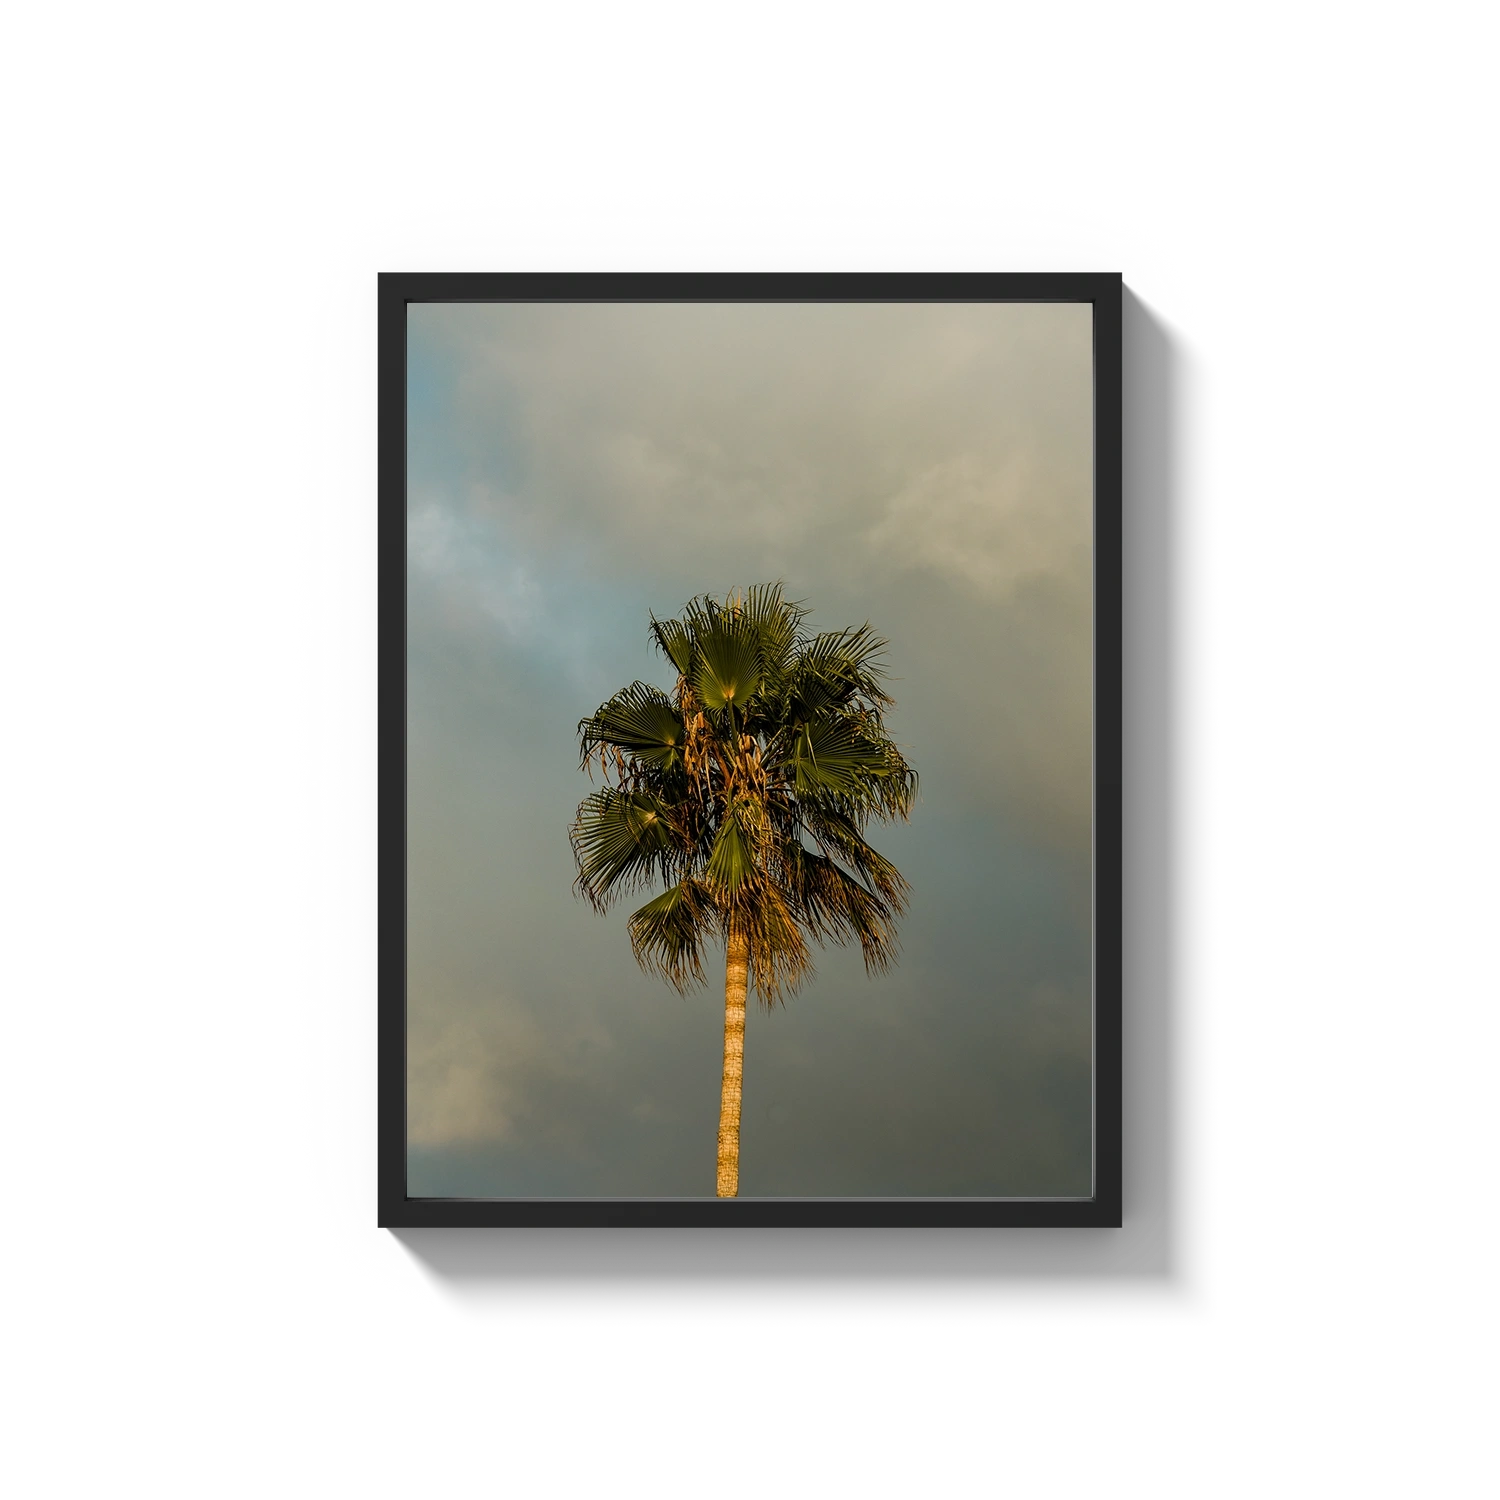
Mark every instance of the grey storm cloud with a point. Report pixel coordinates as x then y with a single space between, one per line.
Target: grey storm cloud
925 467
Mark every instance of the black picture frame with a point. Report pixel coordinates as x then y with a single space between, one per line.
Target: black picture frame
1158 459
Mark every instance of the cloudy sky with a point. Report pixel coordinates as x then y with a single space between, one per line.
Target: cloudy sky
926 468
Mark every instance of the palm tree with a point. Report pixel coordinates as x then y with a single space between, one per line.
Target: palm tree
746 792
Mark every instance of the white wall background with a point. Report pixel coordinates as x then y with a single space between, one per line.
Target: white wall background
197 1302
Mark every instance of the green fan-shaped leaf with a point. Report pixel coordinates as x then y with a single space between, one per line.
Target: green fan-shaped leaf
812 696
837 906
776 624
839 834
674 641
731 860
666 935
847 661
726 669
835 755
639 720
620 839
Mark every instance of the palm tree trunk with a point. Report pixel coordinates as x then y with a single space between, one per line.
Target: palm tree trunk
736 977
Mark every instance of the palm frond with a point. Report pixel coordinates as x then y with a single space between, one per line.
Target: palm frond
896 789
780 959
810 695
835 906
840 836
835 754
726 663
848 660
674 641
621 841
666 935
732 860
776 622
640 720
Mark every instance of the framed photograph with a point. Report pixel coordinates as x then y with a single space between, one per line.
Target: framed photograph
750 749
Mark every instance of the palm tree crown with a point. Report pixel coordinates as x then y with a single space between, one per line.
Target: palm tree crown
746 791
